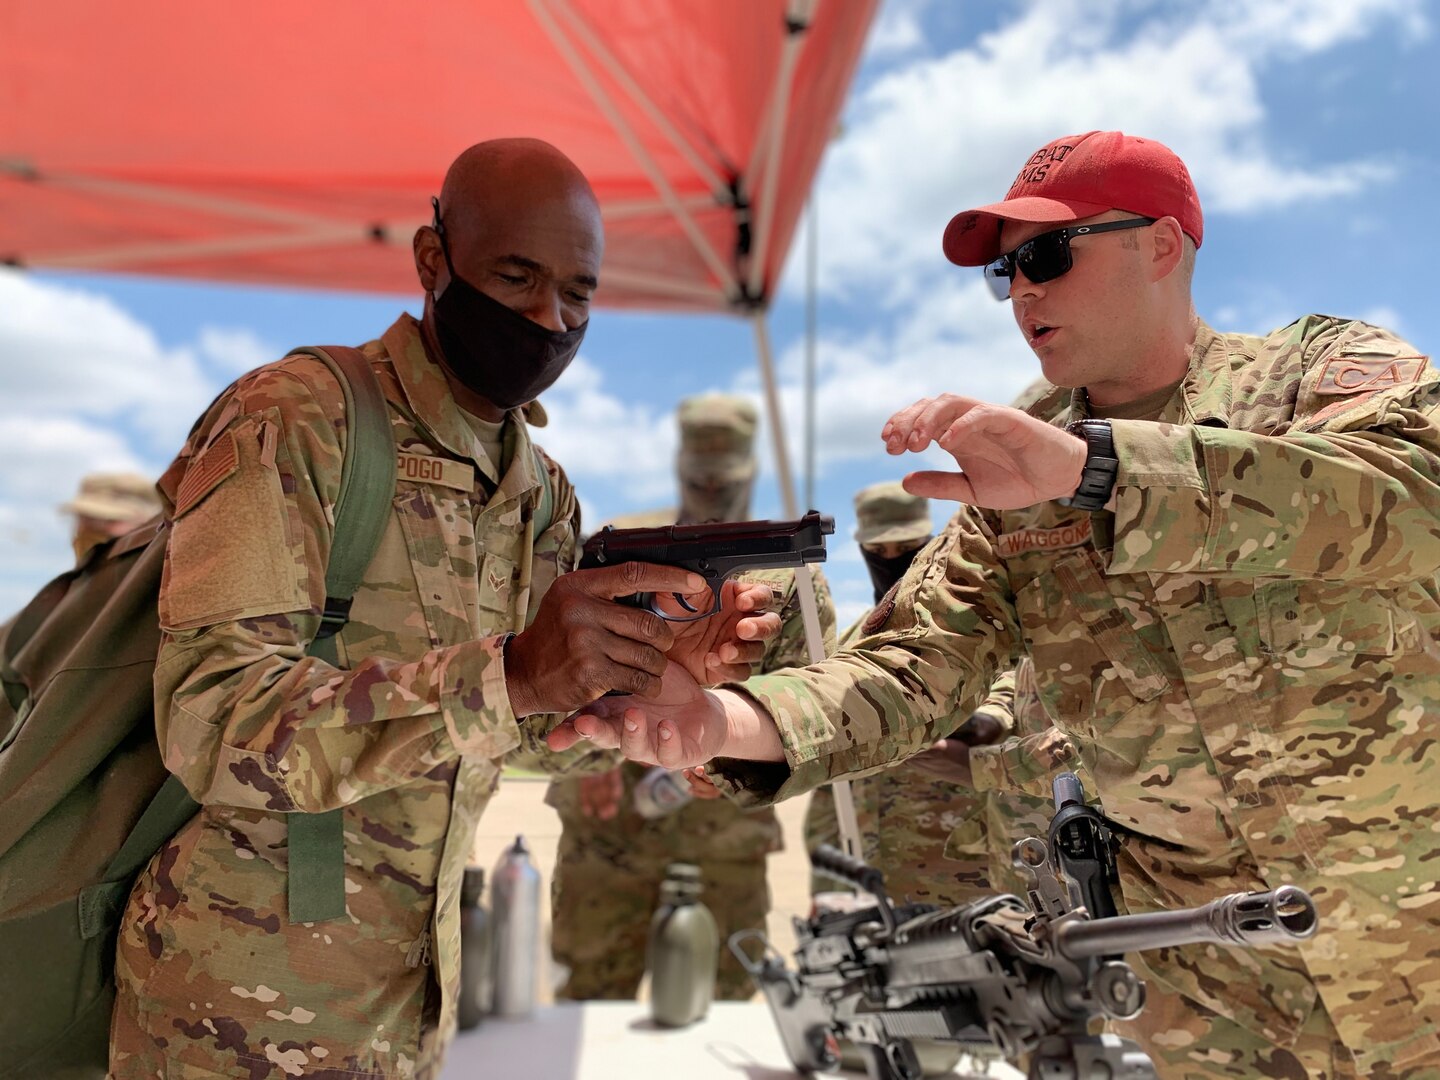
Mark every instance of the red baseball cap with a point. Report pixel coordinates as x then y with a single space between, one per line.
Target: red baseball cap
1079 176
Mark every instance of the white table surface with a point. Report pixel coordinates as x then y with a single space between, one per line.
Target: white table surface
616 1040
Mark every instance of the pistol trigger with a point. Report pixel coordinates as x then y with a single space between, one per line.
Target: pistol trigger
684 603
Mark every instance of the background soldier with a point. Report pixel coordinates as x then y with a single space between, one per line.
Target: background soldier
611 859
110 504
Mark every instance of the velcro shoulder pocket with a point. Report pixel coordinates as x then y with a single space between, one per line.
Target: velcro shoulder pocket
231 552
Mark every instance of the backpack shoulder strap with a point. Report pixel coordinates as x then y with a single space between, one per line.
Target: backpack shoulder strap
316 877
367 481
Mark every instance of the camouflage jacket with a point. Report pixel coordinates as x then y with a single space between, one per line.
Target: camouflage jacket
702 829
406 738
1244 653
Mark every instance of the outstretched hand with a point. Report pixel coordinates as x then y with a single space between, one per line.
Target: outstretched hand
600 794
1008 459
680 726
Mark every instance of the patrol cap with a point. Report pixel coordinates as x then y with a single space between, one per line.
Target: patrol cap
1079 176
887 513
115 497
717 437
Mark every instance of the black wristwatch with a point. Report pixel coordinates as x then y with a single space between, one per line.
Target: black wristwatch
1097 479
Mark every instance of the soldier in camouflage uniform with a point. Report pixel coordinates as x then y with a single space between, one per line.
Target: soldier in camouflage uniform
109 504
1236 626
439 674
608 869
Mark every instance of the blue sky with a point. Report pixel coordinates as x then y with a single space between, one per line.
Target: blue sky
1309 128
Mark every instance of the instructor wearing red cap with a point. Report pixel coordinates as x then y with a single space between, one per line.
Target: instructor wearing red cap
1220 551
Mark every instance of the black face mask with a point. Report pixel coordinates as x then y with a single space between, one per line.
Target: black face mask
886 572
499 354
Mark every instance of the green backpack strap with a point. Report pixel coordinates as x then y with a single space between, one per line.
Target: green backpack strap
168 810
316 878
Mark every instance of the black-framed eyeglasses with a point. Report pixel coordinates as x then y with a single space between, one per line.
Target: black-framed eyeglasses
1047 256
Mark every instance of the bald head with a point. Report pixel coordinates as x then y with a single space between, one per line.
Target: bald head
493 181
523 226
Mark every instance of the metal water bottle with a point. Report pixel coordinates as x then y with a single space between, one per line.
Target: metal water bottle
476 966
683 949
515 908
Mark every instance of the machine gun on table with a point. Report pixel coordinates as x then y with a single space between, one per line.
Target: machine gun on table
999 977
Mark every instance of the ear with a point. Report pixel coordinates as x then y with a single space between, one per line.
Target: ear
429 259
1167 246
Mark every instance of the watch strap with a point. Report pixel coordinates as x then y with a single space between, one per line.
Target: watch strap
1097 478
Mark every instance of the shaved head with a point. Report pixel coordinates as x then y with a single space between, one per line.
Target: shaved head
495 181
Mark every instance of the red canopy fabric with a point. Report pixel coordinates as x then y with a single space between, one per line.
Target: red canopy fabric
294 143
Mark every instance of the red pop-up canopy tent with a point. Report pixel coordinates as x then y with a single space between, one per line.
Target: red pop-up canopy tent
298 143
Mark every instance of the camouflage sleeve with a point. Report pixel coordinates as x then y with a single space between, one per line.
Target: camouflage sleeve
999 703
1348 493
1026 763
928 652
788 648
244 716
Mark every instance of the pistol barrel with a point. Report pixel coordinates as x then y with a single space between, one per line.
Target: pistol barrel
1279 917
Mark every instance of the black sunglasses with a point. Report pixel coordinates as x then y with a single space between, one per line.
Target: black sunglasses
1047 256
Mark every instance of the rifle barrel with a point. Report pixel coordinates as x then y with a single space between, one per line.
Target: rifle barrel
1278 917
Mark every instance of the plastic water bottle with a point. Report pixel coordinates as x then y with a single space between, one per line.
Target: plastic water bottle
515 909
476 970
683 950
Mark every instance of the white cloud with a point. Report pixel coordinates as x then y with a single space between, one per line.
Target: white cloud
896 30
70 353
939 134
86 387
232 351
597 436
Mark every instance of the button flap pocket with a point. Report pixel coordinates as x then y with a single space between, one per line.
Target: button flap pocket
1085 588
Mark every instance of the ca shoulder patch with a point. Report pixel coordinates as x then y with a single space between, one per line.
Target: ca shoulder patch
1359 374
881 612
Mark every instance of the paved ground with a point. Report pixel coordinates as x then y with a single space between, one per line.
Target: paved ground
519 807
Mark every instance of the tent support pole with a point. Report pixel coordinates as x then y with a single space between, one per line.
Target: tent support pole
804 583
801 13
611 65
653 172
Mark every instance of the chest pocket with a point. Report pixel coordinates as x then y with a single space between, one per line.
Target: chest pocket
1090 662
1314 619
440 540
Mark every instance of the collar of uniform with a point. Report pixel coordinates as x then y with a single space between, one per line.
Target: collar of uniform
428 392
522 476
1207 389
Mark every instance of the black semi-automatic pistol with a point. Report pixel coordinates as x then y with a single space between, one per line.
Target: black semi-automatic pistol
715 551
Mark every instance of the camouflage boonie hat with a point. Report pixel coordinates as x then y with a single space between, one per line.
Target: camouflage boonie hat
887 513
115 497
717 437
